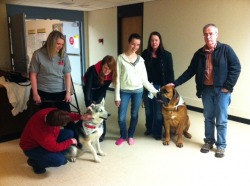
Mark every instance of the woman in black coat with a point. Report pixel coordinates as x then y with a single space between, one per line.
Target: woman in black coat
159 65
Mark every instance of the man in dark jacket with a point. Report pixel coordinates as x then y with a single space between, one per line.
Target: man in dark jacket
216 68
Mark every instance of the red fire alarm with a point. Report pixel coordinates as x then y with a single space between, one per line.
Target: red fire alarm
71 40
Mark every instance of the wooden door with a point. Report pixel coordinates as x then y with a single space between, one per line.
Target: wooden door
130 25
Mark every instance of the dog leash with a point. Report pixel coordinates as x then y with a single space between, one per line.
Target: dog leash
57 101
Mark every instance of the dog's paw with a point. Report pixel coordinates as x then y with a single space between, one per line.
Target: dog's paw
180 145
102 153
187 135
165 142
97 160
72 160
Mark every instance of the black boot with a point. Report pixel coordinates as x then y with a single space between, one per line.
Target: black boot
104 132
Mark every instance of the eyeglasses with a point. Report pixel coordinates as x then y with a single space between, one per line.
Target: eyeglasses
209 34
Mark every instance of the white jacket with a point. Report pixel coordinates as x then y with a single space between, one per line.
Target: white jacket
131 76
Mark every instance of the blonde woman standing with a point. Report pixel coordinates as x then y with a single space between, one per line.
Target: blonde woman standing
50 73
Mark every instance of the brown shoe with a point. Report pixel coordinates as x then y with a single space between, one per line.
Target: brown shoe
220 153
206 147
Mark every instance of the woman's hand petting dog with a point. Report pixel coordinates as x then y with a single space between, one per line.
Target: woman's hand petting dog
86 117
74 141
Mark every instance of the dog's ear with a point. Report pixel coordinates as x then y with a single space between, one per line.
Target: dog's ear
103 102
176 94
92 106
89 110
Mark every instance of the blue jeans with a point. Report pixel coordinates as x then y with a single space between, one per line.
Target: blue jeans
154 119
44 158
136 98
215 105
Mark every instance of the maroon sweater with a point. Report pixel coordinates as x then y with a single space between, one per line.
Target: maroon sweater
38 133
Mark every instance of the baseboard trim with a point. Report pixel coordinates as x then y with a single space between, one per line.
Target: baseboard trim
230 117
197 109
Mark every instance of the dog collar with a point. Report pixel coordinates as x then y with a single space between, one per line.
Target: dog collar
89 128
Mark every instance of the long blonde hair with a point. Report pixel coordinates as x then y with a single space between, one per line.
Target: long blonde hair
51 42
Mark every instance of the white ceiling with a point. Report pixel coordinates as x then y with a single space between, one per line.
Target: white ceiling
82 5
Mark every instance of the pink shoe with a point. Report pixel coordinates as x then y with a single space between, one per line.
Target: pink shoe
119 141
131 141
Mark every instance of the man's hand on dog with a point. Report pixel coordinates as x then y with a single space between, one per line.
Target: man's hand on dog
170 84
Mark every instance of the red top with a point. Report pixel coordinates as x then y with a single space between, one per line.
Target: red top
97 67
98 70
38 133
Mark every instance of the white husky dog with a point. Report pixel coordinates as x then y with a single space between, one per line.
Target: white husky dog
89 132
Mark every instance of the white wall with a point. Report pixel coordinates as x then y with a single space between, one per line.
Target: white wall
102 24
180 23
181 27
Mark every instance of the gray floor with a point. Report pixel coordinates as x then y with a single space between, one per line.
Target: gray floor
146 163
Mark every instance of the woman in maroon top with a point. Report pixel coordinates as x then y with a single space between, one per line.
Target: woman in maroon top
44 142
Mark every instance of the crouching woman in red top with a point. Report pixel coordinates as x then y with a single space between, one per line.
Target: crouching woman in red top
44 142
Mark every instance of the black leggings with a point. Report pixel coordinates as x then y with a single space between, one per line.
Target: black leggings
53 100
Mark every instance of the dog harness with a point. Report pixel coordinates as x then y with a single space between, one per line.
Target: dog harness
180 103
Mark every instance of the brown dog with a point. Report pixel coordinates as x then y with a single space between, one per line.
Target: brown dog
174 111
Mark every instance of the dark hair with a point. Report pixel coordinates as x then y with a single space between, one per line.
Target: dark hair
160 49
134 36
58 118
51 42
110 61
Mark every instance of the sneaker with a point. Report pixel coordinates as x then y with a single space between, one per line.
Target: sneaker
119 141
101 139
206 147
36 168
220 153
131 141
157 138
147 133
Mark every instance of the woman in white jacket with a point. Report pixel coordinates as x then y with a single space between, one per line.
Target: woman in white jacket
131 78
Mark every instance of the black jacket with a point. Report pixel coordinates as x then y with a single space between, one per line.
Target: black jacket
92 89
167 72
226 68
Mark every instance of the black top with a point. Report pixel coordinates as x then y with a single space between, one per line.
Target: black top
92 89
160 70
